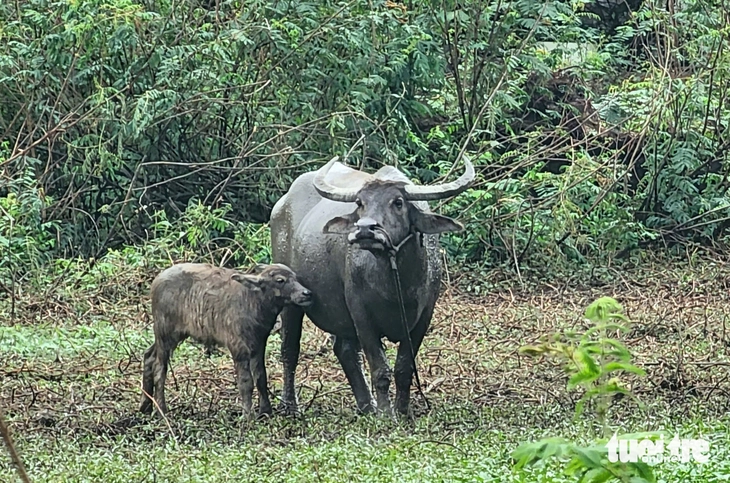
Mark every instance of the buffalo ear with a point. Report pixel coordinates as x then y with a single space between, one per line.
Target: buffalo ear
430 223
247 280
340 224
256 269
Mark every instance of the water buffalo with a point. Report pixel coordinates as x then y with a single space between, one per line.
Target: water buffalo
355 296
218 307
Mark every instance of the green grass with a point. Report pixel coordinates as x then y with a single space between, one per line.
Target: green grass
327 448
70 370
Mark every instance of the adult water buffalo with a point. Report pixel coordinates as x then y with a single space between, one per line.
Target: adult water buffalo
354 292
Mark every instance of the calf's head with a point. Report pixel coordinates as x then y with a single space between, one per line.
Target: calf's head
385 214
279 282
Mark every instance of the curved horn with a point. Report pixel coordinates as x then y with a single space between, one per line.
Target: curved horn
441 191
330 192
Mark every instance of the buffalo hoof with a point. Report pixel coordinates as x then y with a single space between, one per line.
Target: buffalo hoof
288 409
406 416
146 407
264 412
403 410
386 414
160 411
367 409
262 416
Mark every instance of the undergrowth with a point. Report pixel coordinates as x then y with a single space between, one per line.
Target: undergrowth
71 363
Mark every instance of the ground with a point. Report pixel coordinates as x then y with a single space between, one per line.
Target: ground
70 365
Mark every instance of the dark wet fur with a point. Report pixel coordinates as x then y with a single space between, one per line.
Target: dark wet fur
336 248
218 307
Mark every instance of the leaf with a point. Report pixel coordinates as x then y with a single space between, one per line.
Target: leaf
596 475
587 368
644 470
524 455
588 457
619 349
581 378
532 350
601 309
599 327
539 451
623 366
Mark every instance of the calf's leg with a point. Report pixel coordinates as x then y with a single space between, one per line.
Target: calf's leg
148 380
258 371
291 334
242 365
348 353
162 359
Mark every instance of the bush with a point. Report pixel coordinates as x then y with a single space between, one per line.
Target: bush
594 134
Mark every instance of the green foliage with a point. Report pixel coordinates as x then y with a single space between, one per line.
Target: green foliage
147 107
209 232
595 132
592 361
585 464
592 357
26 238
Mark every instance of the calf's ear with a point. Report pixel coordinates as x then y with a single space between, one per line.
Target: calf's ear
341 224
430 223
247 280
257 269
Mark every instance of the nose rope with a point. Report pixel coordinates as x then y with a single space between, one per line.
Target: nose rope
392 254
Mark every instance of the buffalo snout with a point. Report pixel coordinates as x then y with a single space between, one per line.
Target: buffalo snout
302 296
369 234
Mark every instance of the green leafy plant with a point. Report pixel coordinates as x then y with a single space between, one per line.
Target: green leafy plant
208 233
597 133
594 362
27 238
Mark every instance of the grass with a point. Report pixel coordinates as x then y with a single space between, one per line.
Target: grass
70 369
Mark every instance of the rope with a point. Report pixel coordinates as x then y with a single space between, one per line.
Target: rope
393 253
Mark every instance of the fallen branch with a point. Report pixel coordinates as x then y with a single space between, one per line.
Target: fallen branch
11 449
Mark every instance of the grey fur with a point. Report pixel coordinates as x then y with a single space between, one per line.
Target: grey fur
337 250
218 307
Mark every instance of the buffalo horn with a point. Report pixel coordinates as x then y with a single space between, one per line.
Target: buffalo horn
330 192
441 191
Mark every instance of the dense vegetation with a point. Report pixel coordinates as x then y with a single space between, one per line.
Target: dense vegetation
596 130
135 133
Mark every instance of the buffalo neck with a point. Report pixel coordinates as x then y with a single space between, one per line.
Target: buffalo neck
374 271
269 312
261 308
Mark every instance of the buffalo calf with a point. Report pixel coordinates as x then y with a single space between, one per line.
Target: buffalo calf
218 307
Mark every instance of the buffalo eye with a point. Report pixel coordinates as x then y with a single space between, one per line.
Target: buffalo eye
398 202
280 280
358 203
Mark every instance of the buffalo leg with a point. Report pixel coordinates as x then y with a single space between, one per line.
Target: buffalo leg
258 371
148 380
244 379
348 353
162 359
380 372
291 334
404 363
